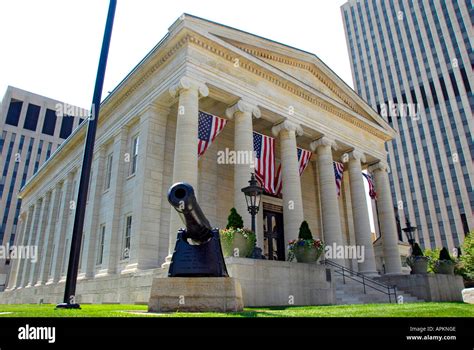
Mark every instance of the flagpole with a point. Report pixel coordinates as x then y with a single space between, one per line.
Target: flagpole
75 253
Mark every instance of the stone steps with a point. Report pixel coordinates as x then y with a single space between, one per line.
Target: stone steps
352 292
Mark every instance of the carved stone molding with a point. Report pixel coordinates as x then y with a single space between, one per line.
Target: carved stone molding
323 141
186 83
288 126
357 155
243 107
380 166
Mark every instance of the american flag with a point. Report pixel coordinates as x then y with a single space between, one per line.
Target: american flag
370 181
303 159
264 147
338 172
209 127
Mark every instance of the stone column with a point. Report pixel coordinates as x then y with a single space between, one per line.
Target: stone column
31 241
331 217
92 215
293 214
112 244
185 167
12 280
361 213
149 194
49 236
242 113
388 228
40 239
21 265
61 229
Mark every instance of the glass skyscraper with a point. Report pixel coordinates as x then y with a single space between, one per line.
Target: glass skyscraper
412 60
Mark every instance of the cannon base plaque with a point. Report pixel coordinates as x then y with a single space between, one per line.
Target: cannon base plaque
202 260
195 294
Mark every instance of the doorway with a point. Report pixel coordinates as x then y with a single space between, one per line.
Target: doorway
273 236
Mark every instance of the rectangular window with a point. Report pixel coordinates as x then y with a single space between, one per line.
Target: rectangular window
14 111
127 237
90 183
134 160
2 140
65 257
49 124
108 174
100 250
66 126
52 260
32 115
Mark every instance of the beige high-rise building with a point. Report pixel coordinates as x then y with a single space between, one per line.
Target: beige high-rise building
32 128
412 61
147 139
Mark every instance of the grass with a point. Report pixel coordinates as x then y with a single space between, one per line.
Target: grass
367 310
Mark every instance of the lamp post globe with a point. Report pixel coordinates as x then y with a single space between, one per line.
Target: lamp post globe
253 195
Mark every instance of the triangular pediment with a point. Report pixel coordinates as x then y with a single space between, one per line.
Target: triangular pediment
311 74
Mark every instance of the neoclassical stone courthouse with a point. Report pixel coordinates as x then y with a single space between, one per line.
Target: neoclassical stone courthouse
147 140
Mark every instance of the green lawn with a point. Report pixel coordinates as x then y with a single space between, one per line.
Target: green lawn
369 310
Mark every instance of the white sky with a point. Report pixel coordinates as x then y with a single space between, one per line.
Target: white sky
51 47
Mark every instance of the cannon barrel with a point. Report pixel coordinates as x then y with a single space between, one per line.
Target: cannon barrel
181 197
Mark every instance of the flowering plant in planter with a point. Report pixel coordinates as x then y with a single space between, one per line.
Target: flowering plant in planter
417 261
305 248
445 264
236 240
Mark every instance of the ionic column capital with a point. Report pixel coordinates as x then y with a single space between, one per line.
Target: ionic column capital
287 126
186 83
380 166
323 141
356 155
242 107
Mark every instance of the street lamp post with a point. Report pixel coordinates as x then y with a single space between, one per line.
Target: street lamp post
253 194
410 232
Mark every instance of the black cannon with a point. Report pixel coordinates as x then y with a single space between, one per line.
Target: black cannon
198 250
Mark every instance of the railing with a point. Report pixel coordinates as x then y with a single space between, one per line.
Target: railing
366 282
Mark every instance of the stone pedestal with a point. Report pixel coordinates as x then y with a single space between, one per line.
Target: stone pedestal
195 294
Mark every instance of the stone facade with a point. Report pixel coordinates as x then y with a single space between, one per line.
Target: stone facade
147 140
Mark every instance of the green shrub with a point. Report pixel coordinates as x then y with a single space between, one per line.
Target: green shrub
466 260
444 254
433 257
417 250
305 232
234 220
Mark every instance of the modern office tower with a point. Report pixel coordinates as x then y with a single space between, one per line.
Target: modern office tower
412 60
32 127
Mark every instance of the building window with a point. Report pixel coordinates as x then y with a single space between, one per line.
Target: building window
127 237
31 119
100 255
108 174
134 160
49 124
50 268
65 262
66 126
89 187
14 111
